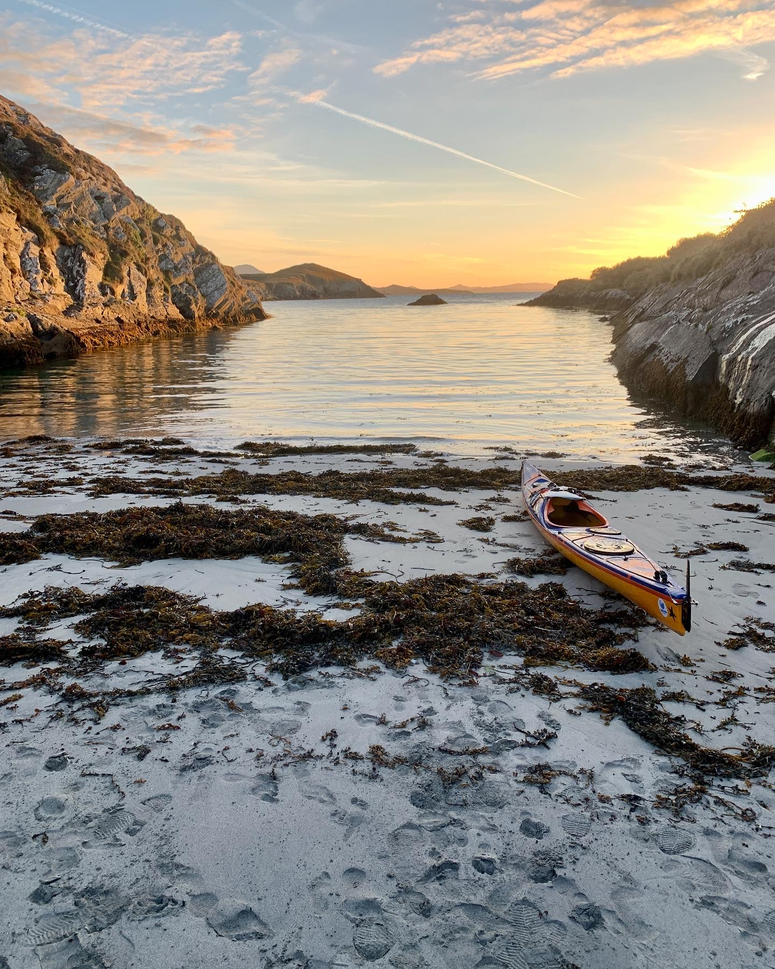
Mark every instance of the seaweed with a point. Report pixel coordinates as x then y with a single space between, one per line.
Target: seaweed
745 565
483 524
449 622
548 563
737 506
275 449
30 651
753 633
313 544
640 709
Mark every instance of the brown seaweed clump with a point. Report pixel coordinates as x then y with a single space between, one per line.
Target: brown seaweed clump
548 563
737 506
485 523
311 543
754 633
640 709
449 622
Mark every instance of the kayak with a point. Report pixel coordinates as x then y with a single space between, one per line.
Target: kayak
585 537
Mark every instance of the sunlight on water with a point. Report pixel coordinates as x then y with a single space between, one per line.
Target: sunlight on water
478 371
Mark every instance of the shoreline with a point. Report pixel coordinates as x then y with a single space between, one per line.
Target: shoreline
28 339
192 780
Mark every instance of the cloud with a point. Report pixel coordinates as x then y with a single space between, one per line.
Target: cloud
112 135
275 64
113 71
565 37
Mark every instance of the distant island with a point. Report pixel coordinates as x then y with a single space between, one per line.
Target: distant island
247 270
432 299
695 327
460 290
310 281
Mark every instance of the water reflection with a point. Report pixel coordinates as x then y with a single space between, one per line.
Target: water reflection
479 370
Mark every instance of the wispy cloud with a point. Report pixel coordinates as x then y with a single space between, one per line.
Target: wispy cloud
112 71
74 16
566 37
318 102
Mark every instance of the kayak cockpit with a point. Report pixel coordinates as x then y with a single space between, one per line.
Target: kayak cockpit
568 511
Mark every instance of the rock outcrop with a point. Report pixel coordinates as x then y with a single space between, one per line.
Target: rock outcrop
581 294
696 328
86 263
310 281
432 299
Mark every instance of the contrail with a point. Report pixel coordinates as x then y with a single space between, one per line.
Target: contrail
75 17
434 144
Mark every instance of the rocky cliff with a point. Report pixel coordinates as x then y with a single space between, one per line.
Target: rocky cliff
580 294
696 328
310 281
85 263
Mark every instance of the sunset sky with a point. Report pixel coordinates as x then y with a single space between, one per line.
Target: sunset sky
252 120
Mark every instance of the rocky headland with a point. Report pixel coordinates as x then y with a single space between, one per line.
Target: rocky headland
85 263
310 281
695 328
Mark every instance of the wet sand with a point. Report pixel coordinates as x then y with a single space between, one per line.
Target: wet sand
354 815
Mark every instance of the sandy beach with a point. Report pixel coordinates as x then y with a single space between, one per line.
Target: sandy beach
328 779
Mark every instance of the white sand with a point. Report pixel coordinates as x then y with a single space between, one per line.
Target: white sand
243 839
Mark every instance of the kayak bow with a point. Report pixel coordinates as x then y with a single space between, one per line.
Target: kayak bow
586 538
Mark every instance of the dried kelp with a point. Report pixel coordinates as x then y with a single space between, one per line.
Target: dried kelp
484 523
737 506
449 622
276 449
640 709
745 565
29 650
549 563
753 633
311 543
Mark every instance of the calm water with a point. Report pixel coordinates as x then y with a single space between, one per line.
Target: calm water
477 372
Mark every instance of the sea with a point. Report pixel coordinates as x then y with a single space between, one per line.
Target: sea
480 373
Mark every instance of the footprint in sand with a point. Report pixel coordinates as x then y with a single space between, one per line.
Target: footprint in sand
111 824
201 903
56 763
415 902
372 939
266 788
353 877
50 808
237 920
576 825
674 841
67 954
319 793
158 802
532 941
321 892
55 926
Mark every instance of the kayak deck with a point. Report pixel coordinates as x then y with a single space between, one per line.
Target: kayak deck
587 539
